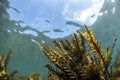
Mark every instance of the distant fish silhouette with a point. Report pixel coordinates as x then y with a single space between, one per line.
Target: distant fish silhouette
47 21
114 41
73 23
57 30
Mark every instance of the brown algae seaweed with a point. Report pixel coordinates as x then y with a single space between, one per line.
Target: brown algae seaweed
4 74
82 58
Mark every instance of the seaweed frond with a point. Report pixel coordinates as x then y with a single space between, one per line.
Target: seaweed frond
116 72
4 75
80 58
52 77
98 52
34 76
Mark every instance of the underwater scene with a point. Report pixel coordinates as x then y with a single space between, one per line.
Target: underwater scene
59 39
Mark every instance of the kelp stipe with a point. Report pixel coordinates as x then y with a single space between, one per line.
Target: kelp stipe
82 58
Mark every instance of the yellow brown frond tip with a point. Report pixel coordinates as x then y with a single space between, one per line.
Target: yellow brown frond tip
80 58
